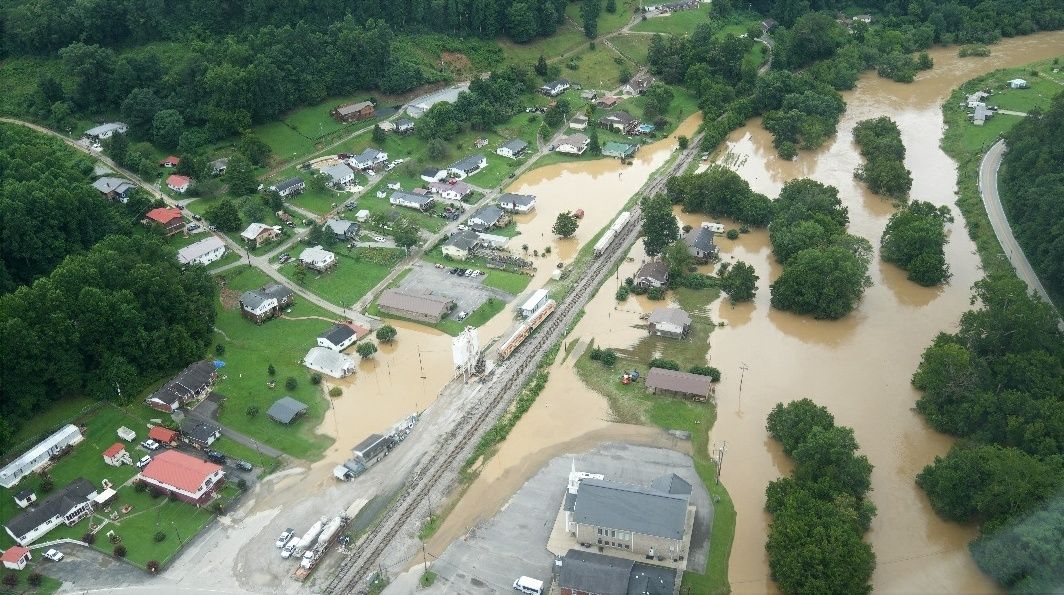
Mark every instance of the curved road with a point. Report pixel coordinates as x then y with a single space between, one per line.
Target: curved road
988 188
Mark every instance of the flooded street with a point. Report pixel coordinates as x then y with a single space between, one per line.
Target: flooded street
858 367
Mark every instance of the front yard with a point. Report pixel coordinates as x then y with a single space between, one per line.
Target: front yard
356 272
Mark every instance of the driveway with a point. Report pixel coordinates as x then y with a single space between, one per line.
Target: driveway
207 411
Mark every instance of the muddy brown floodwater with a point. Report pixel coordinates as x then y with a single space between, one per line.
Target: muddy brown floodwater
859 367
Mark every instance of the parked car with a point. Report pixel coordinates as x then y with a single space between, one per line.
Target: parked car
53 555
287 551
215 457
462 315
192 226
243 465
285 537
150 444
143 462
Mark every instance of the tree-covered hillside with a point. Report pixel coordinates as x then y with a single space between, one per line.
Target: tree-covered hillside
1032 188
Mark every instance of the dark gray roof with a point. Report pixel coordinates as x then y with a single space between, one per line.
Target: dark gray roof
489 214
367 155
674 315
681 382
253 300
198 431
193 379
632 508
671 484
463 240
410 197
518 200
431 172
58 503
649 579
620 116
403 123
515 145
469 163
589 572
278 291
654 269
338 333
701 238
289 183
286 409
340 227
24 494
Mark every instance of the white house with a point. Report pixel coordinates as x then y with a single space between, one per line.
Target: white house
340 336
258 234
103 131
64 506
368 158
1017 84
574 144
202 252
41 453
458 246
317 258
362 215
468 166
512 148
289 187
16 557
578 122
421 202
183 476
555 88
455 191
488 217
516 203
116 455
178 183
339 175
386 125
329 362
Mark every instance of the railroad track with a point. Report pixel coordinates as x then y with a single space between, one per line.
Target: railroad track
506 384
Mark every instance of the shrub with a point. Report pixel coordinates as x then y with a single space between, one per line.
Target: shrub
90 537
153 566
217 507
609 358
290 383
639 290
666 364
35 579
11 579
272 371
622 293
713 373
733 234
159 537
596 354
252 411
315 379
336 391
219 349
155 492
47 484
242 484
139 487
628 281
656 293
120 551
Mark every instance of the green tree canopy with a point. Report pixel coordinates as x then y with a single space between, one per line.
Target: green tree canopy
565 224
659 224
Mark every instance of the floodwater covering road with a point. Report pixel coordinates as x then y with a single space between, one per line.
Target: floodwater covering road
859 367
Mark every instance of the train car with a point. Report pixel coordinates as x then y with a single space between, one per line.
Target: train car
611 234
525 329
604 242
621 222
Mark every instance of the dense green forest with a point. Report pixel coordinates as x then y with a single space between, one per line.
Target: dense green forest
48 209
997 382
721 192
914 239
1032 190
884 170
825 269
821 513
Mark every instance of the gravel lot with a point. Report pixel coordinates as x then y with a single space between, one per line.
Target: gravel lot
513 542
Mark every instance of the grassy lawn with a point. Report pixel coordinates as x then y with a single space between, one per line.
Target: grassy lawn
250 349
356 272
594 69
633 46
1042 90
677 23
48 584
301 131
966 144
567 37
608 22
423 219
46 422
499 168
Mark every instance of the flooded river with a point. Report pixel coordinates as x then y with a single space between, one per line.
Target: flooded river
859 367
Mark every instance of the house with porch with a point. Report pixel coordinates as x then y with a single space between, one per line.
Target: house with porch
182 476
203 252
318 259
289 187
169 219
468 166
189 385
512 148
352 112
65 506
574 144
117 189
516 203
258 234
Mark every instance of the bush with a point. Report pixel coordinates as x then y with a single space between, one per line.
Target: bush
733 234
666 364
153 566
608 358
47 484
155 492
628 281
386 334
272 371
315 379
140 487
290 383
219 349
252 411
656 293
159 537
217 507
242 484
119 551
90 537
596 354
336 391
11 579
713 373
35 579
622 293
639 290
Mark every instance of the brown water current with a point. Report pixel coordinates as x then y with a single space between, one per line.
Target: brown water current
859 367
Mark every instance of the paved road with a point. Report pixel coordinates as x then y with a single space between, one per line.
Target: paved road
988 188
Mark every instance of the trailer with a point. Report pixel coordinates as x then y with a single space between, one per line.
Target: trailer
604 242
612 233
308 539
326 540
525 329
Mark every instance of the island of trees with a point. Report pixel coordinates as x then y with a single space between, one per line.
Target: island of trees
1031 190
996 383
914 239
884 169
821 513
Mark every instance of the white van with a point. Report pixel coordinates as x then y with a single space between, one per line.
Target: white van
528 585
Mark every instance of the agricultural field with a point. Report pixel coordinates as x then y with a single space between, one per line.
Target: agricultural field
677 23
303 130
250 349
568 37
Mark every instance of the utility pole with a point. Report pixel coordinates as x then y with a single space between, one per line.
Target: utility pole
720 459
425 557
744 368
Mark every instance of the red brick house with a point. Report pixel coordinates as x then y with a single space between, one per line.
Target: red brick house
168 217
183 476
352 112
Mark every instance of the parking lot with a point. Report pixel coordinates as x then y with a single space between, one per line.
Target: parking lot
468 293
513 543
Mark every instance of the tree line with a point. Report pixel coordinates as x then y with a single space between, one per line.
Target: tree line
103 323
996 383
41 27
879 140
48 209
821 513
1032 187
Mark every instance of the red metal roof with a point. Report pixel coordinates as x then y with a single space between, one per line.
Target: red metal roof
161 434
360 331
14 554
164 215
176 180
172 160
115 448
179 470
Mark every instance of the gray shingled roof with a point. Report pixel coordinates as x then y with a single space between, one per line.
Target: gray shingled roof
463 240
198 431
517 200
681 382
290 182
58 503
515 145
337 172
671 484
701 238
469 163
253 300
285 409
654 269
588 572
632 508
189 381
278 291
490 215
674 315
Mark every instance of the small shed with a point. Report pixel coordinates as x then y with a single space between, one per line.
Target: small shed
117 454
16 557
1017 84
683 384
670 322
286 409
163 435
126 434
24 498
